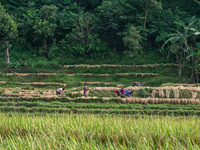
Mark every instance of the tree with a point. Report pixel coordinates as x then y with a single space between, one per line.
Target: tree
147 5
8 31
183 41
83 38
46 24
131 40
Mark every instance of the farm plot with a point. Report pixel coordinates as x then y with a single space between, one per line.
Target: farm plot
58 131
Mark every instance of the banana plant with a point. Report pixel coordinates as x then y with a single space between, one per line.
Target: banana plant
194 54
184 40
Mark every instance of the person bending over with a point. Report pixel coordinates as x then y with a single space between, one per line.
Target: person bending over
59 91
120 91
129 93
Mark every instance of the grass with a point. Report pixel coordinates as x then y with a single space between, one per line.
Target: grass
54 131
17 90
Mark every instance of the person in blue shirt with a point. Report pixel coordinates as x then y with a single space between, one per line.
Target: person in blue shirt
129 93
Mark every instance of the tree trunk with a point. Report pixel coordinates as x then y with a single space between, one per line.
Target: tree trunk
145 19
7 57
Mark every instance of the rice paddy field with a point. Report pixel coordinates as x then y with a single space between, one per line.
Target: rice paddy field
163 114
63 131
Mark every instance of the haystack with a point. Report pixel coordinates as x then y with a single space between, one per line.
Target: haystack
2 82
120 85
108 83
194 94
153 94
94 97
161 93
88 74
74 93
104 75
176 93
123 100
70 75
105 98
10 74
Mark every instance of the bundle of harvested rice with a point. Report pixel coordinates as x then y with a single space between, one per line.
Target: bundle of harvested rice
153 94
108 83
161 93
22 74
2 82
104 75
176 93
46 74
123 100
194 94
74 93
105 98
70 75
94 97
120 85
68 66
167 93
88 74
10 74
44 83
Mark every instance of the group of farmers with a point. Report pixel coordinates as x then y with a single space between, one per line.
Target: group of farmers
120 92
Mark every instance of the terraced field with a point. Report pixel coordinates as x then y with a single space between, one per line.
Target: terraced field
36 92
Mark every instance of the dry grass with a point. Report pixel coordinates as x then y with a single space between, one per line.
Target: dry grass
44 83
46 74
70 75
2 82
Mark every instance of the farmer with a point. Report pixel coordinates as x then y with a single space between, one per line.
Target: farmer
122 91
85 89
129 93
59 91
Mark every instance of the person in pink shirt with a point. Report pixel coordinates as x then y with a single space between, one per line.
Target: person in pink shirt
85 89
59 91
122 91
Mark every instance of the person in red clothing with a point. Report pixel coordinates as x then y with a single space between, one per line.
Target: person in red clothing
122 91
59 91
85 89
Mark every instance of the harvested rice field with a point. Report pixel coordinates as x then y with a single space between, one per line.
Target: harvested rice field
159 115
36 92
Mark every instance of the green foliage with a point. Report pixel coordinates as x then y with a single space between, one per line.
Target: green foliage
8 30
132 42
144 92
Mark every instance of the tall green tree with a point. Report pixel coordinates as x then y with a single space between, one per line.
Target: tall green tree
46 24
131 41
8 31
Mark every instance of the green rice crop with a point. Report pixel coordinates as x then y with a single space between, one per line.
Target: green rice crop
63 131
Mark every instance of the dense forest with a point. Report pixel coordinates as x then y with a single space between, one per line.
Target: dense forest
100 31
